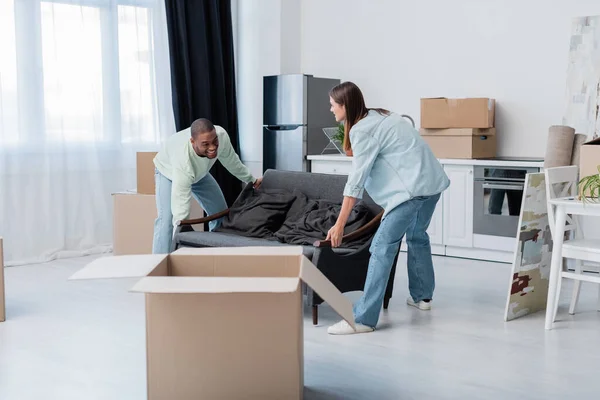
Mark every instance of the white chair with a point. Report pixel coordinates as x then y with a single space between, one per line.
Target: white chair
562 182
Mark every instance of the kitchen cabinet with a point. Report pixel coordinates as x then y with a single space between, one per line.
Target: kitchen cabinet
342 165
335 167
451 228
436 226
458 206
435 231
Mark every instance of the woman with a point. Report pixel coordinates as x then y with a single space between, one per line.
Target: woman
401 174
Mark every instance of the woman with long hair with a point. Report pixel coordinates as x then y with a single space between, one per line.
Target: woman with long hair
401 174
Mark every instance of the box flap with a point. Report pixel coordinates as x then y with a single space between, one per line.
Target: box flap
129 266
328 292
457 131
593 142
458 98
250 250
211 284
123 192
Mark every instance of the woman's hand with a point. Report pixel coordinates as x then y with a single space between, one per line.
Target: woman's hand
335 235
337 231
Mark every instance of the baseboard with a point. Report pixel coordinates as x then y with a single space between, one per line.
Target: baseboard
436 249
495 243
480 254
470 253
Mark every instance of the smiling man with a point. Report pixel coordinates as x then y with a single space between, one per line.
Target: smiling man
182 171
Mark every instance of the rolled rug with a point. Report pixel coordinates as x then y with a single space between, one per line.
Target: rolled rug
580 139
559 146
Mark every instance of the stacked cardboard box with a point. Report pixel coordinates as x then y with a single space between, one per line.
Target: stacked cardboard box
459 128
2 305
223 323
589 158
134 212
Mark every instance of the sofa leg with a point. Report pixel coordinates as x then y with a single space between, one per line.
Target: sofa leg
386 302
315 312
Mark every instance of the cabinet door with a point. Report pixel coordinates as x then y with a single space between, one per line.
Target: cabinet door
331 167
458 206
435 230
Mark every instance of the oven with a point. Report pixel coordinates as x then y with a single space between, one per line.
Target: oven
497 198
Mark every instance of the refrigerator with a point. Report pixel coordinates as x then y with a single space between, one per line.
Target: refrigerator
295 111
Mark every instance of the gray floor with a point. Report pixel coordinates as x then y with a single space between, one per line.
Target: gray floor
85 340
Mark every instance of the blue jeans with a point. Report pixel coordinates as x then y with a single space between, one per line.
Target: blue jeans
412 219
206 192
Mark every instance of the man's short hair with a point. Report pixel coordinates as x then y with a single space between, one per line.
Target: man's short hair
201 125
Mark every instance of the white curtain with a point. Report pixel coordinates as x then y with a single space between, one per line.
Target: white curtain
84 85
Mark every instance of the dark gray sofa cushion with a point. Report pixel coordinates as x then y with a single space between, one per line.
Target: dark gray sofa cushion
310 219
258 213
300 212
313 185
222 239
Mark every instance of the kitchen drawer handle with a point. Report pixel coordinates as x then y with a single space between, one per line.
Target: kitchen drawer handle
502 187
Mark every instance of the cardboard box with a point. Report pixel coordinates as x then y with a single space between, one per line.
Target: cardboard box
461 143
2 298
589 158
145 172
133 222
440 113
223 323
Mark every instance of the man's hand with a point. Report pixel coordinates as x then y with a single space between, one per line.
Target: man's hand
335 235
257 183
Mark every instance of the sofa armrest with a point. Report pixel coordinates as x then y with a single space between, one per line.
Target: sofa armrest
202 220
347 271
368 228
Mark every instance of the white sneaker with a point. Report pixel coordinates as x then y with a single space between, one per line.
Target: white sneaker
421 305
344 328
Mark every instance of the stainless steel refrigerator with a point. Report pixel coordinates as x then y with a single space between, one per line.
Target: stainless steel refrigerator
295 111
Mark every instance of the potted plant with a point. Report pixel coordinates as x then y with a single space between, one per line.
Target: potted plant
336 138
589 187
339 137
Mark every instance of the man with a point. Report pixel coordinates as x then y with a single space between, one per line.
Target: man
182 168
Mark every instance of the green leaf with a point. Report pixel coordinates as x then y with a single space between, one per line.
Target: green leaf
595 191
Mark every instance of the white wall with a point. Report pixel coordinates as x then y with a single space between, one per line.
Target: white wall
267 42
291 37
398 51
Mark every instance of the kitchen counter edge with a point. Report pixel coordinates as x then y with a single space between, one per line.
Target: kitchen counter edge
447 161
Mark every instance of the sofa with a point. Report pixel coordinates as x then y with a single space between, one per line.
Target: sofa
345 267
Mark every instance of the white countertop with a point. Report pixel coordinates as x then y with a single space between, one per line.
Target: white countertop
455 161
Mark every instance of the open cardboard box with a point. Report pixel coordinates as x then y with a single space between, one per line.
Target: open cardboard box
223 323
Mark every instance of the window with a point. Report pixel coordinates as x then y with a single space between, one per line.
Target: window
96 82
72 72
135 75
9 123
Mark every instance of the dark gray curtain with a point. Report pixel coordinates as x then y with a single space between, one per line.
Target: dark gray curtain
203 72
